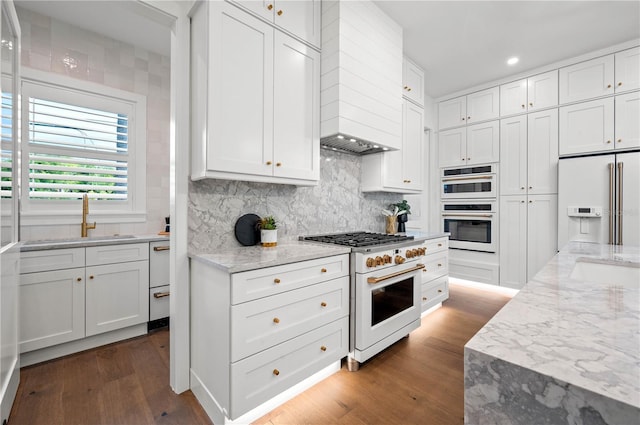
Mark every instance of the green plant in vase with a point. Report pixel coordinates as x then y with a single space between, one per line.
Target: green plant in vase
403 209
268 231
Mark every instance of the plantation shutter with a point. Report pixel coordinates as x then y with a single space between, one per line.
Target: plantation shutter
6 143
75 150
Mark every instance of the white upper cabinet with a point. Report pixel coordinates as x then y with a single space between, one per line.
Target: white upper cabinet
473 145
628 70
513 151
412 82
452 147
542 152
483 105
452 113
587 80
530 94
255 100
301 18
627 125
587 127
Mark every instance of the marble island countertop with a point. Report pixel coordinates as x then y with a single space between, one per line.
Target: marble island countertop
565 349
40 245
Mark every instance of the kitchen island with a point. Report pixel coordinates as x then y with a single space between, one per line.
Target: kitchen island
566 349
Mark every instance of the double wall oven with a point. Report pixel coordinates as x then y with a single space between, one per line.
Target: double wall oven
469 207
385 289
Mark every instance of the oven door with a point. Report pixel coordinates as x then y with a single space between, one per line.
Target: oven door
475 186
386 301
472 231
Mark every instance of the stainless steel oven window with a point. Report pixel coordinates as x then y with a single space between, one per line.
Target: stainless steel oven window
469 230
390 300
462 188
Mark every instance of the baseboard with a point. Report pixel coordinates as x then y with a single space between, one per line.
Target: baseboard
9 393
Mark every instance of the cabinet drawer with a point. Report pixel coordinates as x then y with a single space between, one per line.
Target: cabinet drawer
263 323
51 259
260 283
435 266
158 302
265 375
434 292
158 263
436 245
122 253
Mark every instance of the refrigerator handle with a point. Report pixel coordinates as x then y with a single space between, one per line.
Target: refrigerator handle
620 208
611 210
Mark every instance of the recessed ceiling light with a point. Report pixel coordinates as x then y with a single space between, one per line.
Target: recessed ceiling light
512 61
340 136
353 140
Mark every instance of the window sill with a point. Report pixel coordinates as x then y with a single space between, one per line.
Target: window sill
55 218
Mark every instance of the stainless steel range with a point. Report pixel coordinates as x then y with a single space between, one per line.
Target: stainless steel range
385 289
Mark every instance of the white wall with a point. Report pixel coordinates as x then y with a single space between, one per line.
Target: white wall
102 60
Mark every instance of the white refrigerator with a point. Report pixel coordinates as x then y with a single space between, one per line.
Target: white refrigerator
599 199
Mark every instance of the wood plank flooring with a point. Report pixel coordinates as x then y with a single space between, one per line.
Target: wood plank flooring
419 380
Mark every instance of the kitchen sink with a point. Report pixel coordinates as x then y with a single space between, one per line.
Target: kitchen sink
618 273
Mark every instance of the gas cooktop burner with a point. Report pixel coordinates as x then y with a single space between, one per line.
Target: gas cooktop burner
358 239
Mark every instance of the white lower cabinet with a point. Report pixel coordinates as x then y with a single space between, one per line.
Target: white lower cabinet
435 275
257 333
528 226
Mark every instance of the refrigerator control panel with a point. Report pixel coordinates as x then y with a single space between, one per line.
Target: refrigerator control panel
584 212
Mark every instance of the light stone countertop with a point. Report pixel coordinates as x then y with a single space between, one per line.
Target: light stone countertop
240 259
41 245
585 335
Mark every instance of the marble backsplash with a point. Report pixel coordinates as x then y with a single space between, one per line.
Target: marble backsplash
336 204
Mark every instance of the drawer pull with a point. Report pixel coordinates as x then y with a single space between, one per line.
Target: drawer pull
276 320
323 304
323 348
323 270
161 294
276 372
276 280
161 248
439 244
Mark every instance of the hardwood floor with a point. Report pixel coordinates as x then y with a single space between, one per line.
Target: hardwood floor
419 380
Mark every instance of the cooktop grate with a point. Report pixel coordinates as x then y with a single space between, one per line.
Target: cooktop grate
358 239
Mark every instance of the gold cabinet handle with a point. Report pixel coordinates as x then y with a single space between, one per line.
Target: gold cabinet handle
269 163
276 372
276 320
161 294
270 7
161 248
279 12
323 270
91 277
79 279
323 304
276 280
323 348
278 164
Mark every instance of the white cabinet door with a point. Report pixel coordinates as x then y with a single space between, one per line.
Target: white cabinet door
452 113
262 8
483 143
542 228
296 130
513 97
240 119
412 82
542 90
627 121
542 152
116 296
452 147
587 127
513 155
51 308
483 105
630 198
513 241
627 70
412 146
586 80
301 18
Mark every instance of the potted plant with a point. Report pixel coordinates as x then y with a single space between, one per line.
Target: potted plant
403 209
268 231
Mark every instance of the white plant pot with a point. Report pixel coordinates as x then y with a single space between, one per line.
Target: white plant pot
269 237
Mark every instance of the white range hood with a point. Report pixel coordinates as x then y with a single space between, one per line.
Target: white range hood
361 82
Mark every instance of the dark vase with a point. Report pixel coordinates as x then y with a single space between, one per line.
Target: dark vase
402 218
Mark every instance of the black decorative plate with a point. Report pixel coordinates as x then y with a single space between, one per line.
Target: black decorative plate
246 230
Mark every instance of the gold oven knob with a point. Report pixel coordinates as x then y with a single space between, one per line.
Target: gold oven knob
399 259
386 259
371 262
408 253
379 261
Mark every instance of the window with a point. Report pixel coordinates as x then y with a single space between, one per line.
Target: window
79 140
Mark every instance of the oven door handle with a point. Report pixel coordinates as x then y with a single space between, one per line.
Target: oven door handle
468 215
448 179
374 280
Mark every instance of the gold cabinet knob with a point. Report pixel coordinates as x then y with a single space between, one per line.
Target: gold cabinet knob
522 202
269 163
323 348
462 118
439 244
270 7
276 372
620 83
440 290
468 159
530 103
530 187
619 140
523 106
522 188
439 265
424 298
79 279
608 86
531 202
323 304
462 159
608 141
91 277
276 320
468 118
323 270
278 164
409 89
406 87
424 270
279 12
276 280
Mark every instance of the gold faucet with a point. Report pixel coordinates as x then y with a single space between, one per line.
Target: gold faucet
85 211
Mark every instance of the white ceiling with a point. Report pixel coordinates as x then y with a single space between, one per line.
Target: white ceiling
460 44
